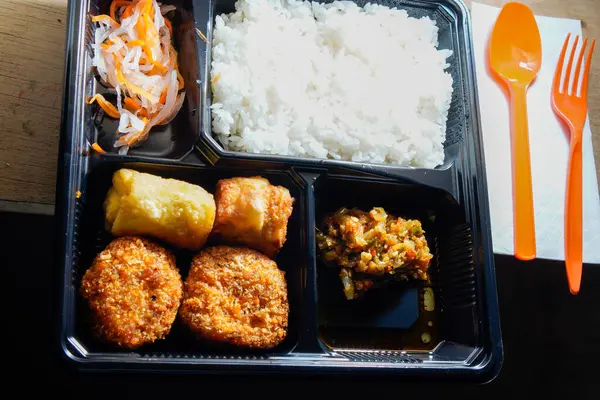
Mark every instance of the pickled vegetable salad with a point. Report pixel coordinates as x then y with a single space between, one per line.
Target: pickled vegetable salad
372 248
134 54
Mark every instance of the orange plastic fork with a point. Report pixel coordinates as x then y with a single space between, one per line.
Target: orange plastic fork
571 106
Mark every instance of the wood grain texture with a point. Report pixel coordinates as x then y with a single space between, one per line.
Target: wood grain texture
32 37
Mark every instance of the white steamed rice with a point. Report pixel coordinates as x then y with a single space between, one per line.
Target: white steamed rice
332 81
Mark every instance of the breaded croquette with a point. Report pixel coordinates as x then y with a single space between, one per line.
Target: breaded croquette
236 295
134 291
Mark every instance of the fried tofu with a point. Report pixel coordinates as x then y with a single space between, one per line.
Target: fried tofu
177 212
253 212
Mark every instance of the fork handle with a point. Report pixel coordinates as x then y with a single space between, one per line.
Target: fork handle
574 215
523 217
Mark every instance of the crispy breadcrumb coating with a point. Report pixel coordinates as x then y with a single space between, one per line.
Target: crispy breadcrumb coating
134 291
236 295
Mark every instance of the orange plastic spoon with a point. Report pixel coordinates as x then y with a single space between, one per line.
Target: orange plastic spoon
516 57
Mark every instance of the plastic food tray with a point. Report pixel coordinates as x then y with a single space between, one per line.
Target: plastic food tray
389 332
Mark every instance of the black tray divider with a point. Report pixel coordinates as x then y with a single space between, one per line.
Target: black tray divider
308 338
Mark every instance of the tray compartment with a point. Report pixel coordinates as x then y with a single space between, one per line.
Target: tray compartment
392 323
469 345
90 238
173 140
449 18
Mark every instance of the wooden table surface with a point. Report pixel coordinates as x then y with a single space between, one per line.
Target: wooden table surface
32 37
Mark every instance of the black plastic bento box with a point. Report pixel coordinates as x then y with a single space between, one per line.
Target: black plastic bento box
385 333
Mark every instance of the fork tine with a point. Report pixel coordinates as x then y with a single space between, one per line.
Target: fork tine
566 85
587 67
560 64
578 67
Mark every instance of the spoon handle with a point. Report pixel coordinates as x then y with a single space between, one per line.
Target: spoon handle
524 225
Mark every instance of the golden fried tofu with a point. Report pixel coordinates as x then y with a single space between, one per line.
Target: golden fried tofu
253 212
177 212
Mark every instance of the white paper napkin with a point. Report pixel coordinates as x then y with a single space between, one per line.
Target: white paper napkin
548 142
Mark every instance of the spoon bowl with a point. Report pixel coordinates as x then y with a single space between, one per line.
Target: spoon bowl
515 45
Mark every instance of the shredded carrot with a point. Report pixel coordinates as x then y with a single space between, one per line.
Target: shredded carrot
201 35
158 57
120 76
180 80
148 52
139 27
141 92
161 68
136 89
97 148
154 71
149 8
131 104
133 88
128 12
134 43
107 44
134 107
113 10
105 105
215 78
114 5
105 18
151 31
145 23
175 57
169 26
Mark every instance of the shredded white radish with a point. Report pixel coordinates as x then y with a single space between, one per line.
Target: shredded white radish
130 123
166 8
119 99
158 17
133 53
169 107
175 109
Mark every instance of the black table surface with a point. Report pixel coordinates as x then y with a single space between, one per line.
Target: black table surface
551 338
